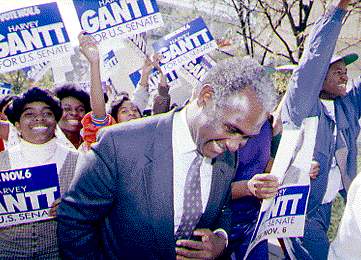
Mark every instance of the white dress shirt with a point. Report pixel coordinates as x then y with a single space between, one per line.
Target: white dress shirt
184 152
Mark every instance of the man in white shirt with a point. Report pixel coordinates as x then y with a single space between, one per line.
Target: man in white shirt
131 199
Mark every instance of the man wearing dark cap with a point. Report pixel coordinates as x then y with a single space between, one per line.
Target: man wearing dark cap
318 87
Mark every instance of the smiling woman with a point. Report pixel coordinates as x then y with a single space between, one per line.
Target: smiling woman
75 104
35 112
37 123
35 115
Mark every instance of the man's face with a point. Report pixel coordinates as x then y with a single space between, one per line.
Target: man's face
335 82
229 125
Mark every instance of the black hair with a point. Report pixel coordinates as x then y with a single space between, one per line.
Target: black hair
14 110
69 90
4 101
116 104
106 98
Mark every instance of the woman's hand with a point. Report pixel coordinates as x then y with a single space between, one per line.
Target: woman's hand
88 47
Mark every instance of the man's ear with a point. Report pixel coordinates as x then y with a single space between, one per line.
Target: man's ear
206 95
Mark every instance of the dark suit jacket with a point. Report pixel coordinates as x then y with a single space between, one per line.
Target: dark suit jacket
120 204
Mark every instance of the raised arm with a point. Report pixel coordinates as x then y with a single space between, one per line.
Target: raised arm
161 102
141 94
89 49
307 80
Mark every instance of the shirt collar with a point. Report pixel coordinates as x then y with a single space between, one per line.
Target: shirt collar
183 137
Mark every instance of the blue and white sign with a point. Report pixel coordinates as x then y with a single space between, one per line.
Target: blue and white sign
110 60
154 79
86 86
25 196
196 69
60 69
284 215
108 64
140 40
287 215
37 71
4 89
185 44
31 35
110 19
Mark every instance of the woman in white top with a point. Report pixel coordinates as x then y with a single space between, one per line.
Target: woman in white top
35 115
75 103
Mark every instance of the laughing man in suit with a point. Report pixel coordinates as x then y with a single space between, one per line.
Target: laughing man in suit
128 200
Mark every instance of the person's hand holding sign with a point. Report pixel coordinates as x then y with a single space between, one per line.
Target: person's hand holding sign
263 186
54 207
315 169
88 47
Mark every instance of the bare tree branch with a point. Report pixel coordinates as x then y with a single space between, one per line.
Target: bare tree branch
268 49
277 34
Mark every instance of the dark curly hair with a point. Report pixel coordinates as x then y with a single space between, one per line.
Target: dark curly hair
14 110
69 90
4 101
116 104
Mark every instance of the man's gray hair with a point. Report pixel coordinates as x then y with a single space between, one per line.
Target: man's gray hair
235 74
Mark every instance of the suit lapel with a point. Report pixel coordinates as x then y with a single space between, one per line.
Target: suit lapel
158 175
222 175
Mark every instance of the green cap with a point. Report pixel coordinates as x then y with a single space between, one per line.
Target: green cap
347 59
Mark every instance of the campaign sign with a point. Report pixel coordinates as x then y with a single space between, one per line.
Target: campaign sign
37 71
31 35
154 79
26 195
109 62
185 44
4 89
109 19
60 69
140 41
197 69
286 217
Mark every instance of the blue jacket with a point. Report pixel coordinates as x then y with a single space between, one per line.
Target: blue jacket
120 203
302 101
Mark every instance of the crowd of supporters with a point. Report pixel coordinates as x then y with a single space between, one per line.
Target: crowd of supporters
227 115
